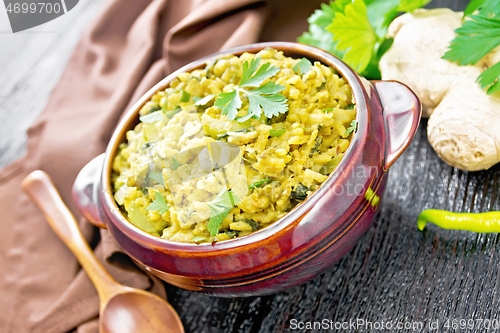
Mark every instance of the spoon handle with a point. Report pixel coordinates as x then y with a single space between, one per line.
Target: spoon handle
44 194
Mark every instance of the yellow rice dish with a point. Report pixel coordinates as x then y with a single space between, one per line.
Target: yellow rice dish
231 148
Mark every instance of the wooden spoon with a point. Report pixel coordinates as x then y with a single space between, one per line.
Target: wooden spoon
122 309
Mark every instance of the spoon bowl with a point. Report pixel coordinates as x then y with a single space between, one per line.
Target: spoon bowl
122 309
151 314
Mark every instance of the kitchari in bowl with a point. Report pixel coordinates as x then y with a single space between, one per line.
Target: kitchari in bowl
229 149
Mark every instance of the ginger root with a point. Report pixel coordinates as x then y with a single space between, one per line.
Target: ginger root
464 122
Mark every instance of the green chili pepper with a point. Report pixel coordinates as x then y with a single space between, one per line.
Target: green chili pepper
476 222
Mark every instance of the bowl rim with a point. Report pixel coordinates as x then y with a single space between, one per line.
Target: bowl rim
282 224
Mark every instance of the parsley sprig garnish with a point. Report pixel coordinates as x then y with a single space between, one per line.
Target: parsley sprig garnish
476 38
159 204
355 30
486 7
265 98
354 25
219 209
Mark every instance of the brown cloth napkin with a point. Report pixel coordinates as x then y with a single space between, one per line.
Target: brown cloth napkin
129 47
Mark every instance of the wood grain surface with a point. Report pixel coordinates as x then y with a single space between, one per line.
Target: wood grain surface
395 273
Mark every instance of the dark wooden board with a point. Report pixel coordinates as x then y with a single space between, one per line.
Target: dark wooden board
395 273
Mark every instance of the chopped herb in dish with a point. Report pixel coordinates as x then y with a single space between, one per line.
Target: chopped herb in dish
275 133
302 66
257 184
351 128
159 204
219 209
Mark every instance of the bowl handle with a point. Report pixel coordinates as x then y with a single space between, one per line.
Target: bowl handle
401 110
85 190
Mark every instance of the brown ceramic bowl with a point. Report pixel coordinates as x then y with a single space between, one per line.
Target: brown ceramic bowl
302 244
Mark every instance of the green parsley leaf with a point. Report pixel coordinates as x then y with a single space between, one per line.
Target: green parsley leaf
175 164
302 67
250 78
489 8
185 97
473 6
328 110
159 204
229 103
494 88
275 133
381 14
367 23
158 177
152 117
323 17
490 79
257 184
318 35
475 39
249 69
411 5
355 35
265 98
270 87
204 100
219 209
352 128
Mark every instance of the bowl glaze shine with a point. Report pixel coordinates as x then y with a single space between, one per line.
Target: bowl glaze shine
302 244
